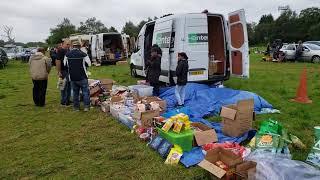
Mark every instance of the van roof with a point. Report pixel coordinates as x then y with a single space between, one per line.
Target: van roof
183 15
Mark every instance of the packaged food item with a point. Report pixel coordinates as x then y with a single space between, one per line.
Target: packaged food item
166 127
174 155
267 142
144 136
164 148
155 142
178 126
297 142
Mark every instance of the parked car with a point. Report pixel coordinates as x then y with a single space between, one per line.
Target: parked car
26 55
313 42
311 52
3 58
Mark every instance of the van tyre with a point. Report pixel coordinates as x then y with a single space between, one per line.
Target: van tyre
316 59
133 71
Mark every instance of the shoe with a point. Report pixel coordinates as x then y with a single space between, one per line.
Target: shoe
76 110
86 109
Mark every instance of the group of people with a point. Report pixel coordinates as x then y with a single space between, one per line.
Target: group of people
154 71
275 52
72 64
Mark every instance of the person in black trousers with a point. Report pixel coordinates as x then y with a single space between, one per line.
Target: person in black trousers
154 70
40 67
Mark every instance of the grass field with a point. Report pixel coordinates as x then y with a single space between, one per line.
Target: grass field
55 142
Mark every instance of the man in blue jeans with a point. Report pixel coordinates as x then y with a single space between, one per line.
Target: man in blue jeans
77 62
63 73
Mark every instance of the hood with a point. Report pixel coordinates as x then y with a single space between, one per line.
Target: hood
37 56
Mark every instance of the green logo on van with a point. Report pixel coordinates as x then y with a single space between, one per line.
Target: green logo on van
165 39
197 37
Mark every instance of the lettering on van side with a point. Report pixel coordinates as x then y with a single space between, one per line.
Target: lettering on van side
165 40
197 37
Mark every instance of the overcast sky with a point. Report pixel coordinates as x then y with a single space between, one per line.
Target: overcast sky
32 19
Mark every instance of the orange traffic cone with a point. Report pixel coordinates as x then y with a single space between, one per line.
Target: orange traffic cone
302 94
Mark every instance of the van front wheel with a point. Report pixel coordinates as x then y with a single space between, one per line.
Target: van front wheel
133 71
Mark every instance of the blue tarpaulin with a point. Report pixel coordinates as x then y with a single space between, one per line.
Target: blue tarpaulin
202 100
205 100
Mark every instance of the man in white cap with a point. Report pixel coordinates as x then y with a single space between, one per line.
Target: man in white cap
77 63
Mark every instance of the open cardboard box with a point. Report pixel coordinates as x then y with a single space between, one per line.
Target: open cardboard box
116 99
220 154
237 119
145 119
204 135
107 84
244 169
149 99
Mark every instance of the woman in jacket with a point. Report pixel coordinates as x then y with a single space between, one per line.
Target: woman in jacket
182 77
154 70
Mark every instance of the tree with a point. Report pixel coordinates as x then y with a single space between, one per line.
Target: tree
266 19
62 30
113 29
130 29
92 25
2 43
8 33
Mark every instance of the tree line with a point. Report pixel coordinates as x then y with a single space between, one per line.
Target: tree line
289 27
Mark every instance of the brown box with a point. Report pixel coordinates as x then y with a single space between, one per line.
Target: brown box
220 154
244 169
237 119
162 103
95 90
146 118
205 135
116 99
107 83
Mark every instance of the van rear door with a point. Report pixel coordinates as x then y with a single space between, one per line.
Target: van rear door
239 46
162 37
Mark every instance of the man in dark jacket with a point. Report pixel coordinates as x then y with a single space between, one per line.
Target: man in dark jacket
76 61
154 70
299 51
182 77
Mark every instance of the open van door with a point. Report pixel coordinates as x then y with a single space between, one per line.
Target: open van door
162 37
239 46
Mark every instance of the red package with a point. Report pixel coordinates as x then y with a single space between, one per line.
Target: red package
234 147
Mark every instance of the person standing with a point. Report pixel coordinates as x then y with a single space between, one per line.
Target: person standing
154 70
299 51
63 73
40 67
182 77
76 62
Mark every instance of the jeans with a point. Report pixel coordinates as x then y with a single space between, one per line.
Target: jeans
39 92
180 94
66 93
84 87
156 87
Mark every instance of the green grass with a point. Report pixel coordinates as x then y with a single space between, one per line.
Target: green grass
55 142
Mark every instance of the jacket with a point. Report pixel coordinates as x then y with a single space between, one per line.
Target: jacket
77 62
40 66
154 69
182 72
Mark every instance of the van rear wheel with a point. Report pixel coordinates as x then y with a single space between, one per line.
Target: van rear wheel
133 71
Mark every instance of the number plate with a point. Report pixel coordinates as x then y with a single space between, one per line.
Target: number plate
196 72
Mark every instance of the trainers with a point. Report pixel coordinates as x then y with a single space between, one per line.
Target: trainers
86 109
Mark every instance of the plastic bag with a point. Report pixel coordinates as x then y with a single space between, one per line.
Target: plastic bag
275 167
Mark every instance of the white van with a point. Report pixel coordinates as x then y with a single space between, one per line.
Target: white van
216 48
109 47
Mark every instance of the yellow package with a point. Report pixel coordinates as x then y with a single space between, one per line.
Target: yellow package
166 127
177 126
174 155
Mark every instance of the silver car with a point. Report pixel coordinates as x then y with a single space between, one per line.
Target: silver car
311 52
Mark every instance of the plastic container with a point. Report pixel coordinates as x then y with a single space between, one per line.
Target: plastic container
142 90
184 139
126 120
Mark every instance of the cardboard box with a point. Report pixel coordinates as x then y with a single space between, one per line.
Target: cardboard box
107 84
244 169
116 99
204 135
94 91
237 119
149 99
220 154
145 119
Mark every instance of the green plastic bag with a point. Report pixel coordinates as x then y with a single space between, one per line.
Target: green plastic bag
270 126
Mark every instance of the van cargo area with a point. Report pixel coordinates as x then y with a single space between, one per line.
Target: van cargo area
113 47
148 41
217 46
